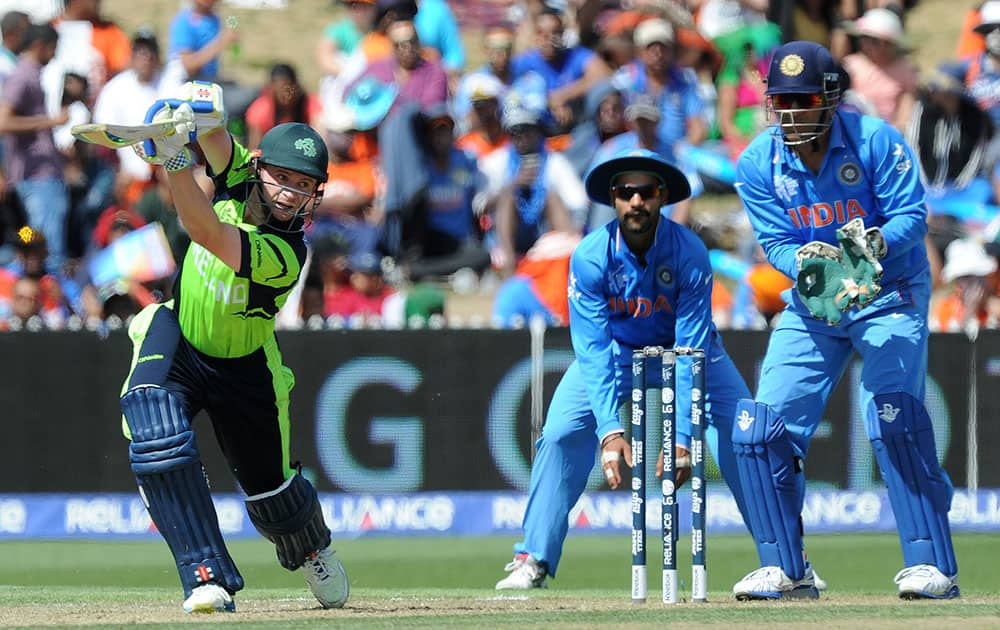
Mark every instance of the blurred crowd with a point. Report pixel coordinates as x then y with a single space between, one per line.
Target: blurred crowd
449 177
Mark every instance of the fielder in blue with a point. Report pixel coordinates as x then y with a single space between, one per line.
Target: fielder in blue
639 280
836 202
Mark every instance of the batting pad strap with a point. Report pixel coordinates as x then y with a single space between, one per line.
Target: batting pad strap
773 486
291 518
919 488
163 454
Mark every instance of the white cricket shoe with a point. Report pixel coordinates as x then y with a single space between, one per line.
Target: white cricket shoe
525 573
925 581
326 578
818 582
772 583
209 598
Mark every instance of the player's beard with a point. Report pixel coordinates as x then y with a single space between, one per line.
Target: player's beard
639 221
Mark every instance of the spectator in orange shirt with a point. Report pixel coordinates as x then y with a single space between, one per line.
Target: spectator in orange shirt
282 100
486 133
376 44
971 43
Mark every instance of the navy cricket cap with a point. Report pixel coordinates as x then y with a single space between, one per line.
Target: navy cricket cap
599 180
801 68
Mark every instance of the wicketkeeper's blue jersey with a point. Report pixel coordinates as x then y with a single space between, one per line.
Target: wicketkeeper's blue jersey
868 172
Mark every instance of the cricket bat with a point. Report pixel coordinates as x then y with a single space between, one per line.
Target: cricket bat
118 136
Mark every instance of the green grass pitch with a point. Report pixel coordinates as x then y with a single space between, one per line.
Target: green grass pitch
448 582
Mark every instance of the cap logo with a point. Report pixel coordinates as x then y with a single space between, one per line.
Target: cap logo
792 66
307 146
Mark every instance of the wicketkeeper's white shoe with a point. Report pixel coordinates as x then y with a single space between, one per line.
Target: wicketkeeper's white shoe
209 598
818 582
326 578
925 581
525 573
772 583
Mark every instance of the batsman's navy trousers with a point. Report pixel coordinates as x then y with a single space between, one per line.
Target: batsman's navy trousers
246 398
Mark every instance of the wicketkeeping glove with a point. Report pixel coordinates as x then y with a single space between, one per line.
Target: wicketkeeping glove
861 251
824 283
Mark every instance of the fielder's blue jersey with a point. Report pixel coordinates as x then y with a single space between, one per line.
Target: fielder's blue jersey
868 172
617 304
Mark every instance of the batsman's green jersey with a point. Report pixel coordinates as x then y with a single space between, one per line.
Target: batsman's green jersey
230 314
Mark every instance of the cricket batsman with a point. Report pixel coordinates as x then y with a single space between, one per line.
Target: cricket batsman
835 200
213 348
640 280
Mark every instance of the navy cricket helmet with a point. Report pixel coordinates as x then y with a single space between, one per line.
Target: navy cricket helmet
802 77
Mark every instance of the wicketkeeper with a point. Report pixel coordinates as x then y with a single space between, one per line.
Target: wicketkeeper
213 348
835 200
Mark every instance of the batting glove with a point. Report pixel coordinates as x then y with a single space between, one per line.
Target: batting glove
162 150
205 100
861 251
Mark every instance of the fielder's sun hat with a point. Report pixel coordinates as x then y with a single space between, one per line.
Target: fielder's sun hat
989 15
801 68
600 178
297 147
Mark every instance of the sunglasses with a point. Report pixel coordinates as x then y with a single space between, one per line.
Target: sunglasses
797 101
625 192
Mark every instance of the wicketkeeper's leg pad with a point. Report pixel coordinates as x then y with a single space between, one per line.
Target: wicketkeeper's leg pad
919 488
291 518
773 485
167 466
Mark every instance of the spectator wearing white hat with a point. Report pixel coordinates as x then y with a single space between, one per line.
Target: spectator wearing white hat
476 108
880 71
973 301
656 74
